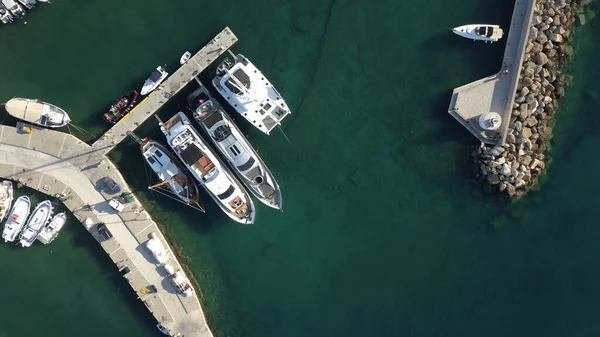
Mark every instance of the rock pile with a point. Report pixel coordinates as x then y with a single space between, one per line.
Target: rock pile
514 168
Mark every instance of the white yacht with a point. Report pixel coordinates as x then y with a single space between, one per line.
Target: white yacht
38 219
50 232
16 219
235 148
166 167
479 32
249 92
14 7
155 79
208 169
6 198
5 16
37 112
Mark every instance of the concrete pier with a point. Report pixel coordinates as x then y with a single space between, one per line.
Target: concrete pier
60 165
55 164
169 88
495 93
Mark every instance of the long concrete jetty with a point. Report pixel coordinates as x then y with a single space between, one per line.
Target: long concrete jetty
495 93
62 166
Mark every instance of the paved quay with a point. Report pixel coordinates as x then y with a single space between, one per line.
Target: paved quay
55 163
63 166
495 93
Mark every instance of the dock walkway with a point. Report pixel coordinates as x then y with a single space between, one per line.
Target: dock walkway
60 165
496 93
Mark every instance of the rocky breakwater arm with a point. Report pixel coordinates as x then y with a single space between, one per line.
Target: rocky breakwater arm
513 168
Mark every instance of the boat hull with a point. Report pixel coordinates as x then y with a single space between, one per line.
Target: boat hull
156 78
17 218
37 112
121 107
6 197
212 174
183 177
251 94
470 32
51 231
210 114
38 219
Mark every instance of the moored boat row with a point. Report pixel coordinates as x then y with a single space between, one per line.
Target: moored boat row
27 227
245 86
13 9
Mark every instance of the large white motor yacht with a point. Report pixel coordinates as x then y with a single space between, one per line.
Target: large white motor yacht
235 148
249 92
208 169
479 32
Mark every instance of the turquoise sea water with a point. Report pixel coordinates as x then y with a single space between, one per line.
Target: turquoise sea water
383 233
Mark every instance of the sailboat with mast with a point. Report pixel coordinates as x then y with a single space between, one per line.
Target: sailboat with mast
174 180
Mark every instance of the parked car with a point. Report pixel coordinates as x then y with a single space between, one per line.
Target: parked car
116 205
110 186
103 232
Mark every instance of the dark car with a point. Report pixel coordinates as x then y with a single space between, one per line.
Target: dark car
103 232
110 186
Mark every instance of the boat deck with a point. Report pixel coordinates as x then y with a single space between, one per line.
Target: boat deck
495 93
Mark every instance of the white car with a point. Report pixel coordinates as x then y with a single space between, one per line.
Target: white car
116 205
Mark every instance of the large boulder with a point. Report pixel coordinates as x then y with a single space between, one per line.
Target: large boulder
540 58
556 38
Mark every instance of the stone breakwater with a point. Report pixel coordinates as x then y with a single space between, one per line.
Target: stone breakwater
512 169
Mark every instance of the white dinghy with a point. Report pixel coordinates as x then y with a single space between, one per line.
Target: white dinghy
480 32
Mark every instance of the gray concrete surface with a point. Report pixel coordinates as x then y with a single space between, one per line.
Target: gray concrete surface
495 93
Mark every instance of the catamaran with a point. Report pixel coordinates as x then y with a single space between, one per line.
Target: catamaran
38 219
37 112
6 198
249 92
50 232
16 219
166 167
155 79
208 169
234 147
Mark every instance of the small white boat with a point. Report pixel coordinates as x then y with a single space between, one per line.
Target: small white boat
6 198
50 232
14 7
155 79
16 219
249 92
29 4
37 112
185 57
235 148
480 32
5 16
38 219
